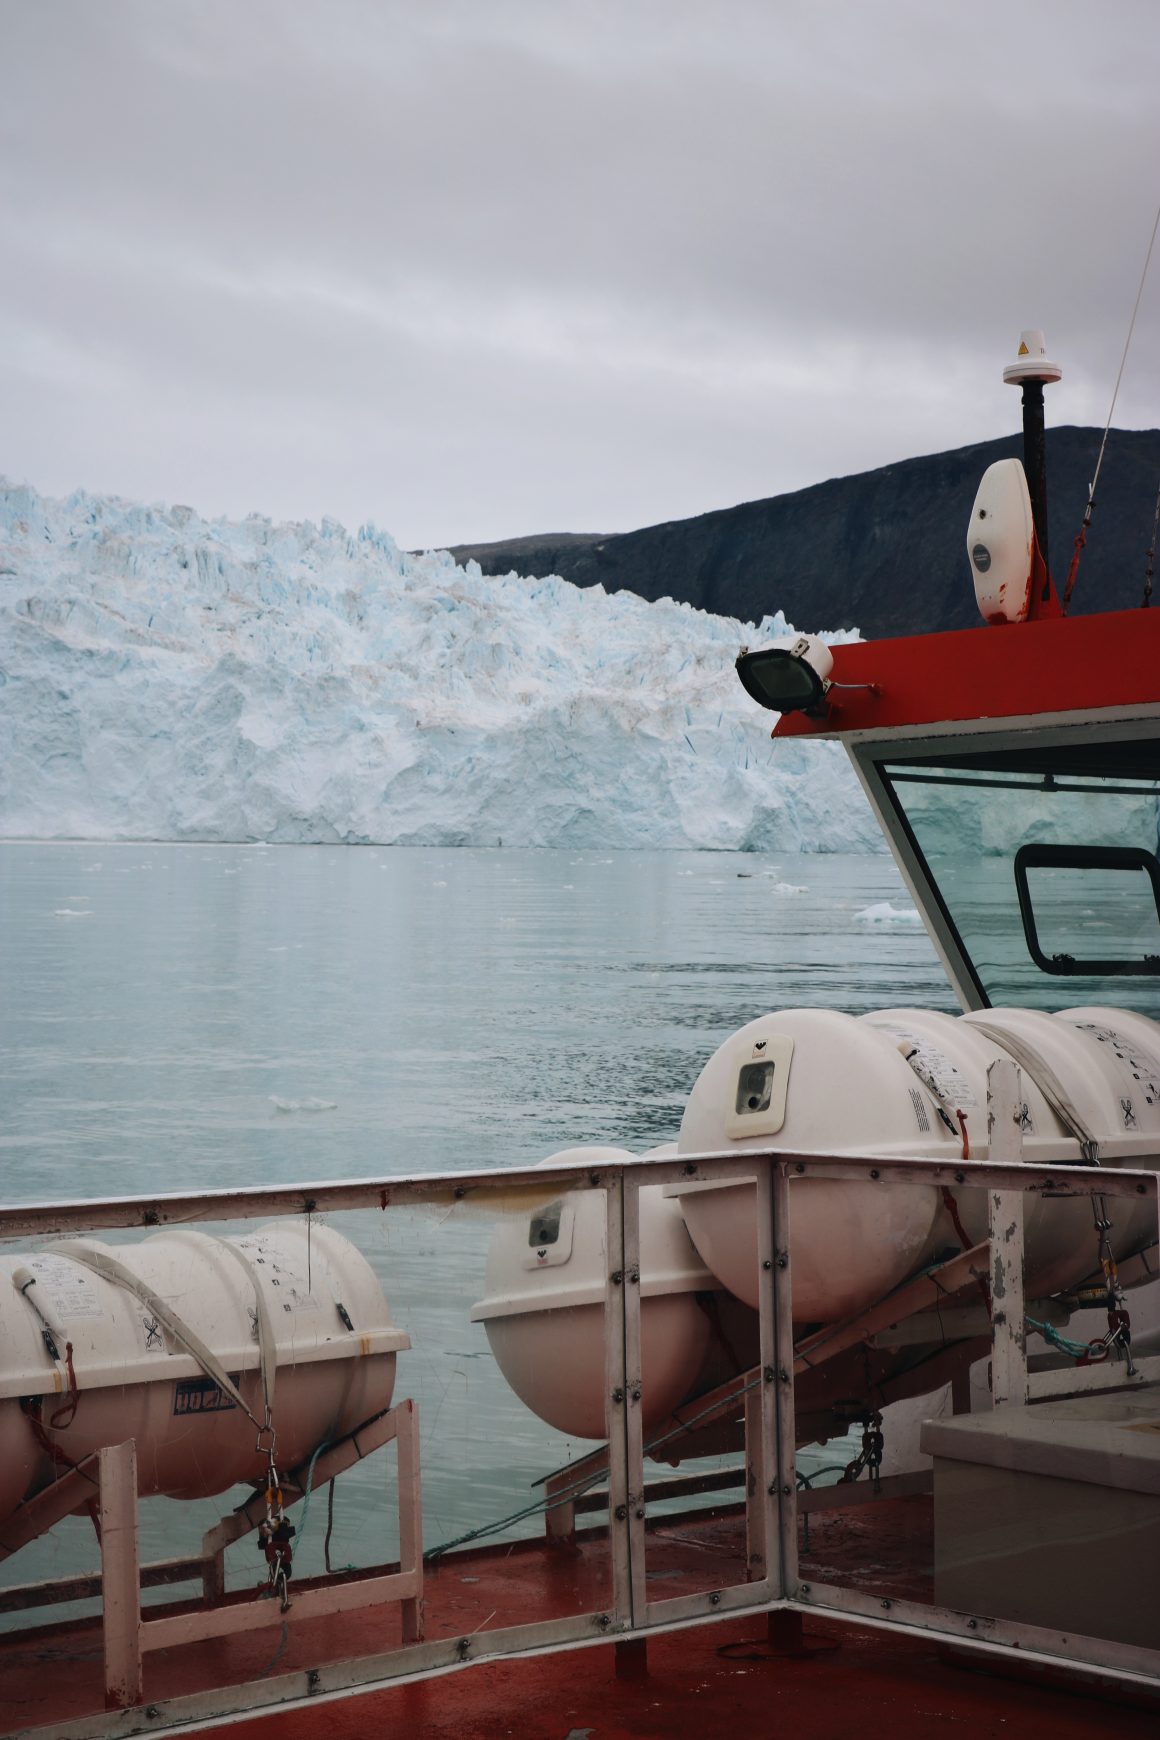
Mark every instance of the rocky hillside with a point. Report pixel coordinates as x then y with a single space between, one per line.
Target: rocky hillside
883 551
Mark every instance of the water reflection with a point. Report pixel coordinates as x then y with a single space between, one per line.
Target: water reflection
223 1014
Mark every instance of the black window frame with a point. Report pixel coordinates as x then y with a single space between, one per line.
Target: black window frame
1034 857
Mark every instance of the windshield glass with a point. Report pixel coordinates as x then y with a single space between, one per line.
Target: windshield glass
1045 862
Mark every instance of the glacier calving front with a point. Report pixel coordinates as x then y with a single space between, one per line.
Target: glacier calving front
168 677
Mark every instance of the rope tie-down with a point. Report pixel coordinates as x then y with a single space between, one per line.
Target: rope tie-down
276 1531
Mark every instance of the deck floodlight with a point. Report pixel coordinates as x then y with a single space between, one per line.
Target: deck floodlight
788 679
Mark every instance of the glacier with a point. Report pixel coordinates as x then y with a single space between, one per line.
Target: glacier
164 676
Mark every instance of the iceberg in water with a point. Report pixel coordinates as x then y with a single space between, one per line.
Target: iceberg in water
885 912
168 677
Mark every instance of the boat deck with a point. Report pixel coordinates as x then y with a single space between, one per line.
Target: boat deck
736 1676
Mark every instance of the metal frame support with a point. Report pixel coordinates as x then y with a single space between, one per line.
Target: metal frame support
344 1454
120 1575
634 1409
129 1635
763 1511
771 1509
773 1465
1008 1306
621 1379
784 1406
410 1518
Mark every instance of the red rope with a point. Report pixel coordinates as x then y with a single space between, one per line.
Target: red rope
1073 570
60 1457
952 1209
65 1415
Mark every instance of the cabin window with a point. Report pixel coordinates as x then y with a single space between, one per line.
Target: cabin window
1043 861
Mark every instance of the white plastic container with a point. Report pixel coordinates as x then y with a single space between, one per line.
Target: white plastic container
1101 1058
544 1304
892 1083
334 1341
834 1085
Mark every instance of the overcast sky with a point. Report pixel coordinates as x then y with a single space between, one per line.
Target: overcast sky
476 268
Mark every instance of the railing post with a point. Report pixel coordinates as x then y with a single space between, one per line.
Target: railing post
213 1577
120 1576
756 1490
634 1407
772 1468
784 1398
1008 1308
410 1515
616 1402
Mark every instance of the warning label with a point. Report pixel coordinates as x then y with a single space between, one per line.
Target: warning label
201 1396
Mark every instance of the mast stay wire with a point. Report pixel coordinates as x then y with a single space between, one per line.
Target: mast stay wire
1081 538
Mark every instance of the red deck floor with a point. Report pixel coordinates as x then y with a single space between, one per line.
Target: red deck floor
719 1682
718 1679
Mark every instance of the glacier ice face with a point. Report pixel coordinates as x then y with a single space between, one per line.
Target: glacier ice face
168 677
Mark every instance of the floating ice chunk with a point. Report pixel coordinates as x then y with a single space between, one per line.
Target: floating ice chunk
72 912
307 1105
790 888
883 912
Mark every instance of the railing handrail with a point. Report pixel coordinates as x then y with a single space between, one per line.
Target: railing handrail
158 1209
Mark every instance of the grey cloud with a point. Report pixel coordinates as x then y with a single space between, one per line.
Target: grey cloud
474 269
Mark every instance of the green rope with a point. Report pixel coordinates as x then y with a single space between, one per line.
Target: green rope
807 1480
1050 1334
536 1508
542 1507
325 1445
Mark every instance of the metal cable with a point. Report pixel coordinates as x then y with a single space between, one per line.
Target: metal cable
1081 539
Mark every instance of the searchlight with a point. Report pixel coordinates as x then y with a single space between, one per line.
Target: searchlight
788 679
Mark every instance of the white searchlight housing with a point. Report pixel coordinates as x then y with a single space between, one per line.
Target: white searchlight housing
788 679
1001 543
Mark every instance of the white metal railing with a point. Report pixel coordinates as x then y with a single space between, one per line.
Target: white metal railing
770 1577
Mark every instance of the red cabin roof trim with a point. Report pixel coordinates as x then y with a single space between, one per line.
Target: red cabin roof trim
1057 666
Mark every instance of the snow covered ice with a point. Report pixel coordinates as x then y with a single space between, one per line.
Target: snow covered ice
168 677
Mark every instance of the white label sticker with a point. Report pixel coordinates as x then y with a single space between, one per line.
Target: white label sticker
69 1290
1139 1073
934 1068
284 1276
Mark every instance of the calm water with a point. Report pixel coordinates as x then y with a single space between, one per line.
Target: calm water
159 1005
183 1016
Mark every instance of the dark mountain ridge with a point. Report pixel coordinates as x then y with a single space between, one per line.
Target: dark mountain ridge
883 551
